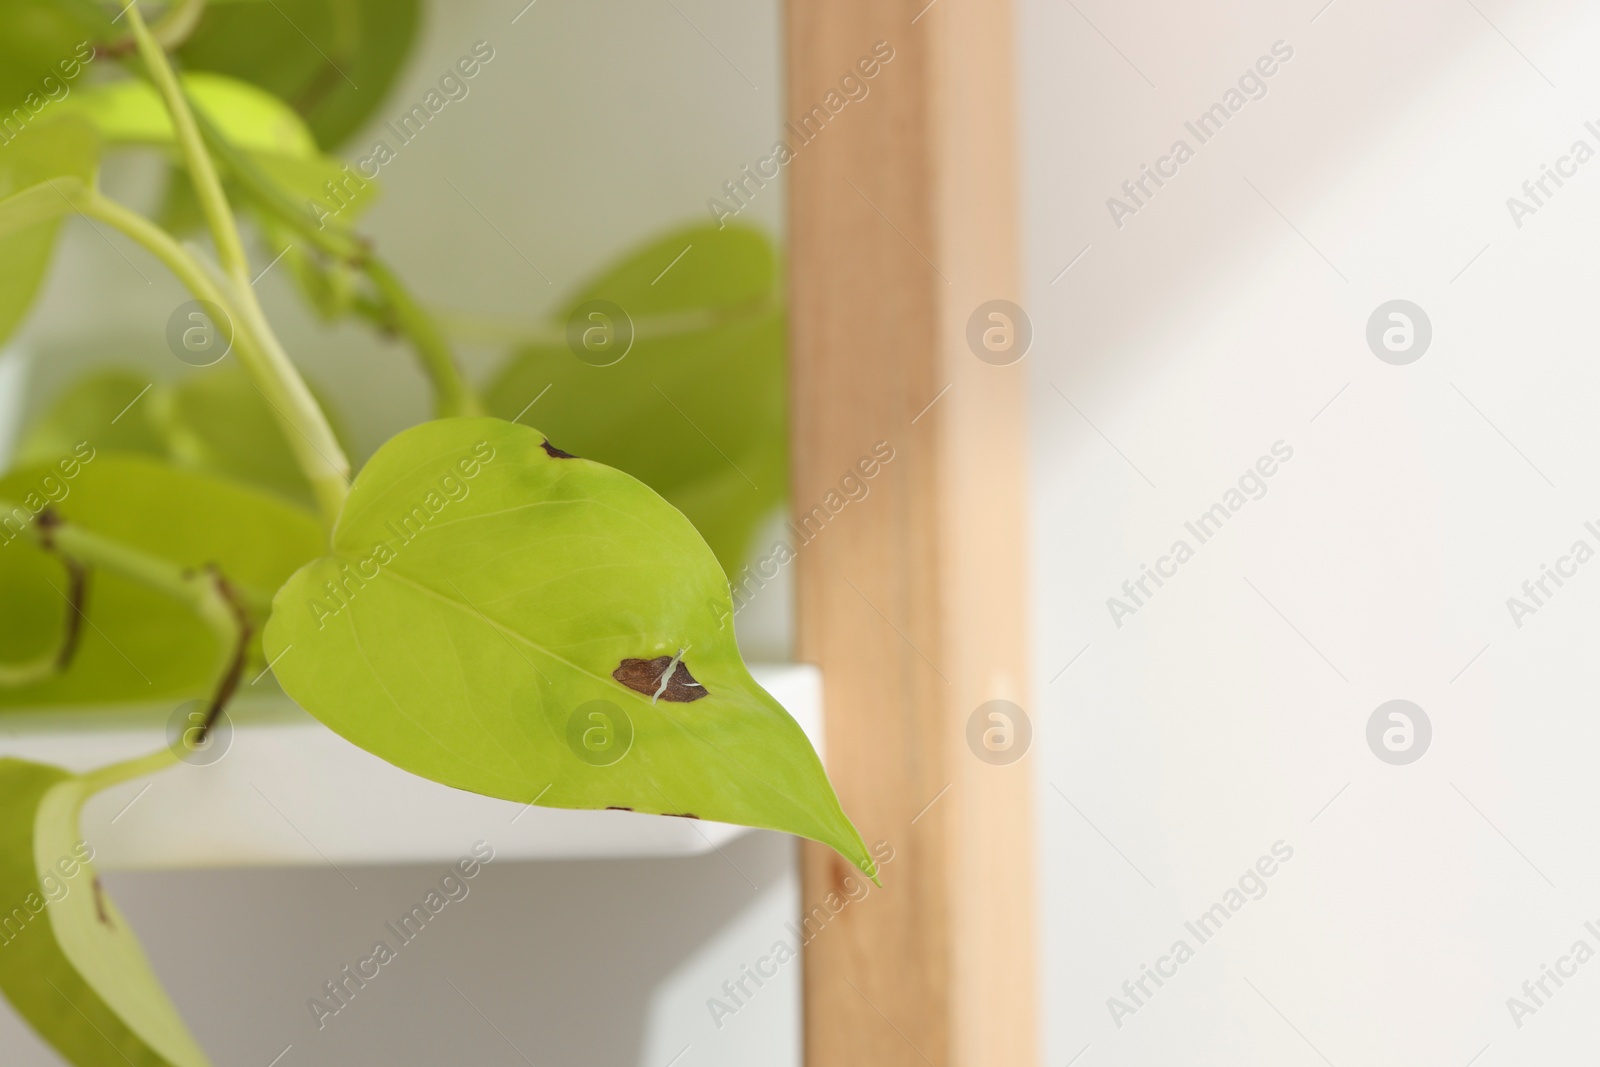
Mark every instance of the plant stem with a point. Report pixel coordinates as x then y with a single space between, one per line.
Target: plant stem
117 773
207 186
174 27
184 266
452 397
221 605
489 329
47 664
397 308
336 240
171 30
56 661
41 668
309 434
500 330
193 587
239 610
310 438
53 661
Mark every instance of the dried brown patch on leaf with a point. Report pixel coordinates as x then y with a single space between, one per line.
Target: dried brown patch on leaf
555 453
648 675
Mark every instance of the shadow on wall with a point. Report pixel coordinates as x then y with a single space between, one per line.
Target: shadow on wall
563 961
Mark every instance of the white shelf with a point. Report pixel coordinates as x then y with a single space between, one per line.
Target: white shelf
290 792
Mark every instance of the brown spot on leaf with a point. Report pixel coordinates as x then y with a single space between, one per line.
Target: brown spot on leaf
100 902
618 809
645 676
680 815
555 453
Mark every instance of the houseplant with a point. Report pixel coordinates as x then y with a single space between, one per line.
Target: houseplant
477 605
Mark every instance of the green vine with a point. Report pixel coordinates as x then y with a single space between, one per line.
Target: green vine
534 615
309 434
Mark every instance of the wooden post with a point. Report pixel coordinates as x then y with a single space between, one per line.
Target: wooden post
903 222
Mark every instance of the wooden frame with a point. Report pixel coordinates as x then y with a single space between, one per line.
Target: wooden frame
903 221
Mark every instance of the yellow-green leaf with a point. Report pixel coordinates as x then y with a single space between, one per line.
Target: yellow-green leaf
499 617
132 112
47 151
137 645
697 407
69 963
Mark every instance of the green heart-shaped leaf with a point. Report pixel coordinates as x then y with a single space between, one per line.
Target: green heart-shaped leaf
333 60
499 617
86 409
213 421
132 112
64 148
45 46
137 645
69 963
270 135
697 408
219 423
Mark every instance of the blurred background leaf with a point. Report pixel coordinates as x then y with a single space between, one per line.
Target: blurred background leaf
131 112
37 36
56 148
271 138
103 407
333 61
75 970
213 421
140 646
697 409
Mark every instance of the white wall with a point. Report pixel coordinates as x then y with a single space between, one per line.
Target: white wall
1227 713
596 125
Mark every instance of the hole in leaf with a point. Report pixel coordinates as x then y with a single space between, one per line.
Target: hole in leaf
646 676
556 453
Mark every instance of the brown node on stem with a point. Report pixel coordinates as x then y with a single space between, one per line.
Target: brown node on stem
646 676
100 903
235 670
50 521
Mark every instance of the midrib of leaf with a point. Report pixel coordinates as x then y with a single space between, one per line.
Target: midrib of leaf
500 626
506 511
752 779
